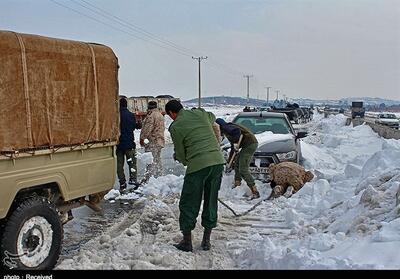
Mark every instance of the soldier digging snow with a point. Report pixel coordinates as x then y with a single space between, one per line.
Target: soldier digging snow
286 174
247 146
196 147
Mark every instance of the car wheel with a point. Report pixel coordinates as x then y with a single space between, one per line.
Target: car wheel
32 236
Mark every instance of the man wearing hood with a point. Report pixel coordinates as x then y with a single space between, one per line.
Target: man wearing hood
126 146
245 148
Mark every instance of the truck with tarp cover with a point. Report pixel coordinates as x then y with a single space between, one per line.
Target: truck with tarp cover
59 125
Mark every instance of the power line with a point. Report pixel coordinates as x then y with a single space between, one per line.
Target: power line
149 37
153 36
119 29
131 26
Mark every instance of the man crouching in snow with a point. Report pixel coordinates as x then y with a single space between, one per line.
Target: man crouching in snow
286 174
196 147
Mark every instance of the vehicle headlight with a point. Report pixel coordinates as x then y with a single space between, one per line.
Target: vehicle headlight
292 155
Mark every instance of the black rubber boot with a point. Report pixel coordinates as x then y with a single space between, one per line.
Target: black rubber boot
122 187
186 243
205 243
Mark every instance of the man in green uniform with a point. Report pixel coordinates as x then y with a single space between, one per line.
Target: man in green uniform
247 145
197 148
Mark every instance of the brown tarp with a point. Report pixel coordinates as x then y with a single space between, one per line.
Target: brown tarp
50 94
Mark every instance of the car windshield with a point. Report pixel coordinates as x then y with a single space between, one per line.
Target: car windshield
260 125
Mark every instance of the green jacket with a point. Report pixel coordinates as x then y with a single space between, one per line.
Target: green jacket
195 143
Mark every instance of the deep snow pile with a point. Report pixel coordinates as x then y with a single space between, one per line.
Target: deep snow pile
349 212
346 218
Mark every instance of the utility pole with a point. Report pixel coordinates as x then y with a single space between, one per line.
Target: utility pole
277 94
268 88
199 60
248 86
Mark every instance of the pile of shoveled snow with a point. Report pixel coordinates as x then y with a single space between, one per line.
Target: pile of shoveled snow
157 187
348 216
145 241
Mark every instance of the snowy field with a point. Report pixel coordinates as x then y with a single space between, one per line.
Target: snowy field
346 218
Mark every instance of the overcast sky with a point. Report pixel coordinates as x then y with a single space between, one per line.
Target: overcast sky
323 49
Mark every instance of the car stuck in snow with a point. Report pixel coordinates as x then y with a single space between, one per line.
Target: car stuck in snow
277 140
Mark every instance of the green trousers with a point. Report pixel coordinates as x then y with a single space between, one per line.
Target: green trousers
131 161
207 181
243 163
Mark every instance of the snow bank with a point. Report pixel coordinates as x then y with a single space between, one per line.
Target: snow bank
347 213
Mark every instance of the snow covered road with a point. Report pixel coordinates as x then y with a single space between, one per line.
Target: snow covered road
346 218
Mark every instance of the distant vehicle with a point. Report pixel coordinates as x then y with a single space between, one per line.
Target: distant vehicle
334 111
388 119
262 108
165 96
357 109
284 145
293 114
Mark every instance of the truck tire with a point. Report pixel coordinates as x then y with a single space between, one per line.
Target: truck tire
32 236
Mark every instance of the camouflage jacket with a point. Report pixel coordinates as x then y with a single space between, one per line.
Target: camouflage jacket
289 174
153 128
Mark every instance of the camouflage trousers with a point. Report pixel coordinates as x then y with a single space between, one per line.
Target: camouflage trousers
130 155
154 169
242 164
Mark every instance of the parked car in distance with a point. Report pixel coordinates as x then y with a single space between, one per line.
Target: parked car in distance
388 119
282 144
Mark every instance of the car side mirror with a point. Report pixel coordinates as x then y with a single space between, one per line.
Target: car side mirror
301 135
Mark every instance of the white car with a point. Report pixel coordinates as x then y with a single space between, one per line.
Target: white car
388 119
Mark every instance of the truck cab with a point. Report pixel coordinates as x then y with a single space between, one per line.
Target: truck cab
357 109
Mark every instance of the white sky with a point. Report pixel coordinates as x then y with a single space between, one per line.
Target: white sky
323 49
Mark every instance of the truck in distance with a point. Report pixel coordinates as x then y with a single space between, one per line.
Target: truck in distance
357 109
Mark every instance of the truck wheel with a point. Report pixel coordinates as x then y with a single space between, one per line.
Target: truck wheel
32 236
